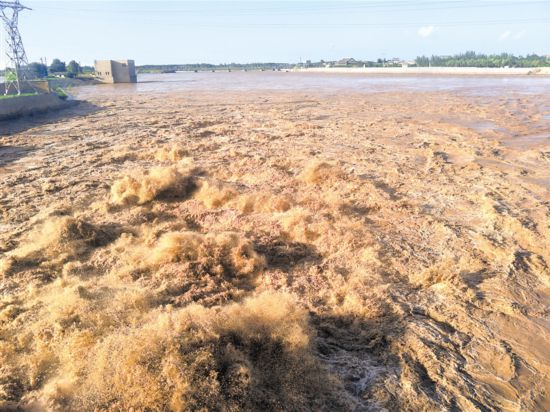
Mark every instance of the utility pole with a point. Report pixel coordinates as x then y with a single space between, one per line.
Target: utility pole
15 75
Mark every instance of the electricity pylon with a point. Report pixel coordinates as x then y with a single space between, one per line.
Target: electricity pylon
15 75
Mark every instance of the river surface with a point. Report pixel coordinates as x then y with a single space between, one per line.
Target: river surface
398 240
328 82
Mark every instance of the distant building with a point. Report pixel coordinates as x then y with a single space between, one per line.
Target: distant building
116 71
347 62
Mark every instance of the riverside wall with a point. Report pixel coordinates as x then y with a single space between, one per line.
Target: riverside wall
15 107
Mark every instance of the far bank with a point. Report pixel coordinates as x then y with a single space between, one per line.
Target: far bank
475 71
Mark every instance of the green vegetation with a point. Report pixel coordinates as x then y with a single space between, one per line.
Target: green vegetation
472 59
87 69
56 69
10 75
73 69
57 66
38 70
12 96
61 93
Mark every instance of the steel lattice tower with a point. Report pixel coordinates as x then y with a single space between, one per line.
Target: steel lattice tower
15 75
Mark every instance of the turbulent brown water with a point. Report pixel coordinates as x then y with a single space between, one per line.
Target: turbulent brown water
319 82
278 250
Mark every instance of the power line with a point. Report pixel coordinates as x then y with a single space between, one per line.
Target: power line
467 23
294 8
303 25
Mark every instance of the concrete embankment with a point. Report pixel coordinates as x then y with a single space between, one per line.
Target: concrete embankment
475 71
14 107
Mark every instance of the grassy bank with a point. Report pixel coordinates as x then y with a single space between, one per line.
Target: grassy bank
12 96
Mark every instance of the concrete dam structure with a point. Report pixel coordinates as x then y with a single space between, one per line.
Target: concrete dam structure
115 71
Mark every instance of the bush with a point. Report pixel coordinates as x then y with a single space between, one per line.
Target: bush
61 93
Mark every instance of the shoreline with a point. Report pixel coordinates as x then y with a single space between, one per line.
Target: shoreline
462 71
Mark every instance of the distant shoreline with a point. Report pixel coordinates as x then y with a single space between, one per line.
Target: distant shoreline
476 71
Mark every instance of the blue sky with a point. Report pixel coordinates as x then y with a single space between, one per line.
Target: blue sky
284 31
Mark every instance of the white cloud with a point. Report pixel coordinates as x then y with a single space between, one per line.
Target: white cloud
504 35
426 31
520 34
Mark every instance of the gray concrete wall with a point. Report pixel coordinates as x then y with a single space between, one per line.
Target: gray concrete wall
116 71
104 70
124 71
29 105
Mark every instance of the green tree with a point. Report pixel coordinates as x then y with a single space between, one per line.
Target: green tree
422 61
74 68
472 59
38 70
57 66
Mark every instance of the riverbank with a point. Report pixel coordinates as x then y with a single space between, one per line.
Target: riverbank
438 71
31 104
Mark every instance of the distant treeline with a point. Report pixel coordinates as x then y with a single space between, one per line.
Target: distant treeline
472 59
151 68
39 70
